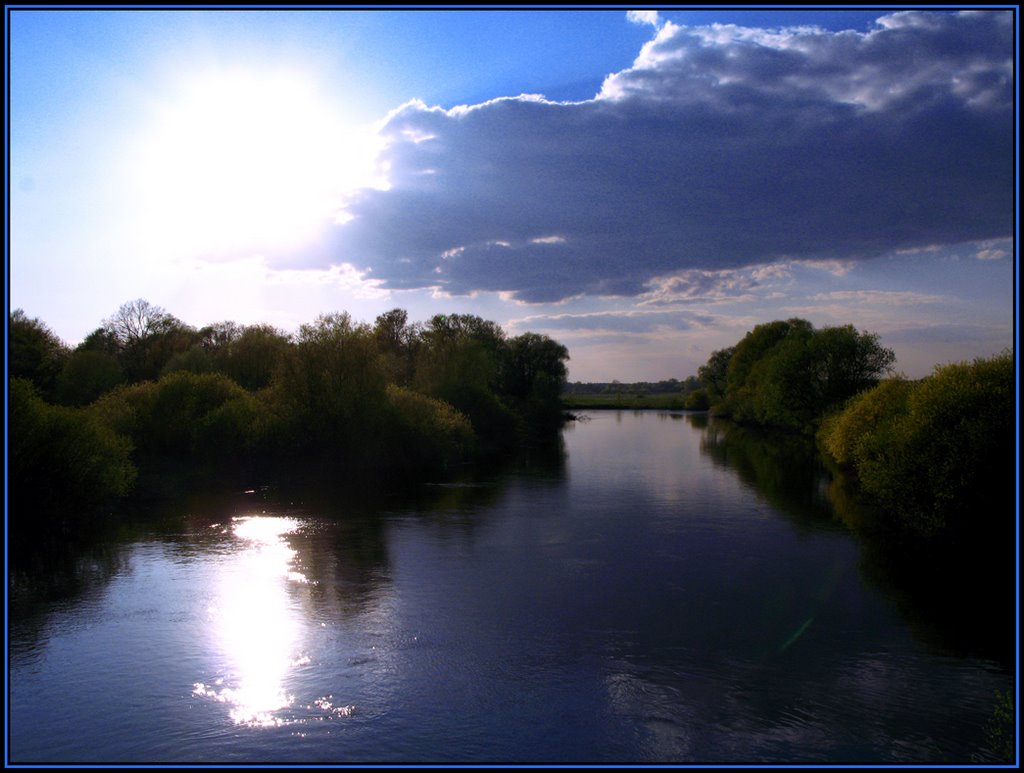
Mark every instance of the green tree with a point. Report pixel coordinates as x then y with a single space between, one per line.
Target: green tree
64 464
87 375
255 354
534 367
713 375
533 375
398 342
787 374
697 400
35 352
102 340
331 385
459 361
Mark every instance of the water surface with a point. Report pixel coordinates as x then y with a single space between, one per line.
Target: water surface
661 591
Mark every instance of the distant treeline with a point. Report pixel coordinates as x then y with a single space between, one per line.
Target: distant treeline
393 400
671 386
936 455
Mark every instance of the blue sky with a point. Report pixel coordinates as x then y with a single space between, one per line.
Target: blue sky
643 187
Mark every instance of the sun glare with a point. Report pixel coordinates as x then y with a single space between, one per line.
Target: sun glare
241 161
257 626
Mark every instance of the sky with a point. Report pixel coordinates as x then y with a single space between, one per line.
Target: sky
643 186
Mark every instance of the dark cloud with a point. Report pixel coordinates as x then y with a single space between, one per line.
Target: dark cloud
721 147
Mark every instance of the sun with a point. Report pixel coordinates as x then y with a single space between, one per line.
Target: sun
241 161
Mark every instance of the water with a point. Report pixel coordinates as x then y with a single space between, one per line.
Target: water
665 591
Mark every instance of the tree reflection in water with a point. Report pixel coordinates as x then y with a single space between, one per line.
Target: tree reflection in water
957 597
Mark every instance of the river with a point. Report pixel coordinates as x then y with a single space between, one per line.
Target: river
657 591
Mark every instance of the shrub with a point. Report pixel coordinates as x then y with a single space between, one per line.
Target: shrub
430 432
186 415
864 420
938 454
63 463
697 400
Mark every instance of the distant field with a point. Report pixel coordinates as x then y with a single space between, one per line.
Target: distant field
628 401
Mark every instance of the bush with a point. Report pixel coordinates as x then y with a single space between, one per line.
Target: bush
63 463
187 416
938 454
697 400
431 433
495 426
853 434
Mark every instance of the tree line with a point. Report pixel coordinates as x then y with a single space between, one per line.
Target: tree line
392 399
936 455
667 386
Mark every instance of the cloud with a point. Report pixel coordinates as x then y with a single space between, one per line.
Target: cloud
880 297
723 285
993 250
722 147
644 17
637 322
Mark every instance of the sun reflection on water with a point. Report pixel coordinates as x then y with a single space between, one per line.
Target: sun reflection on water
256 626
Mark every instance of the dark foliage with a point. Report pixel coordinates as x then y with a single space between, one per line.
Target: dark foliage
356 402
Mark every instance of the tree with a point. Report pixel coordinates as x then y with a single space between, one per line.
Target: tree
397 342
748 376
147 337
787 374
331 384
137 319
533 377
255 354
534 367
390 329
216 338
460 352
714 374
35 353
102 340
87 374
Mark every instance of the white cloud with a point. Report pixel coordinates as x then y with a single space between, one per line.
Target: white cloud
644 17
990 252
699 285
834 267
618 322
881 297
